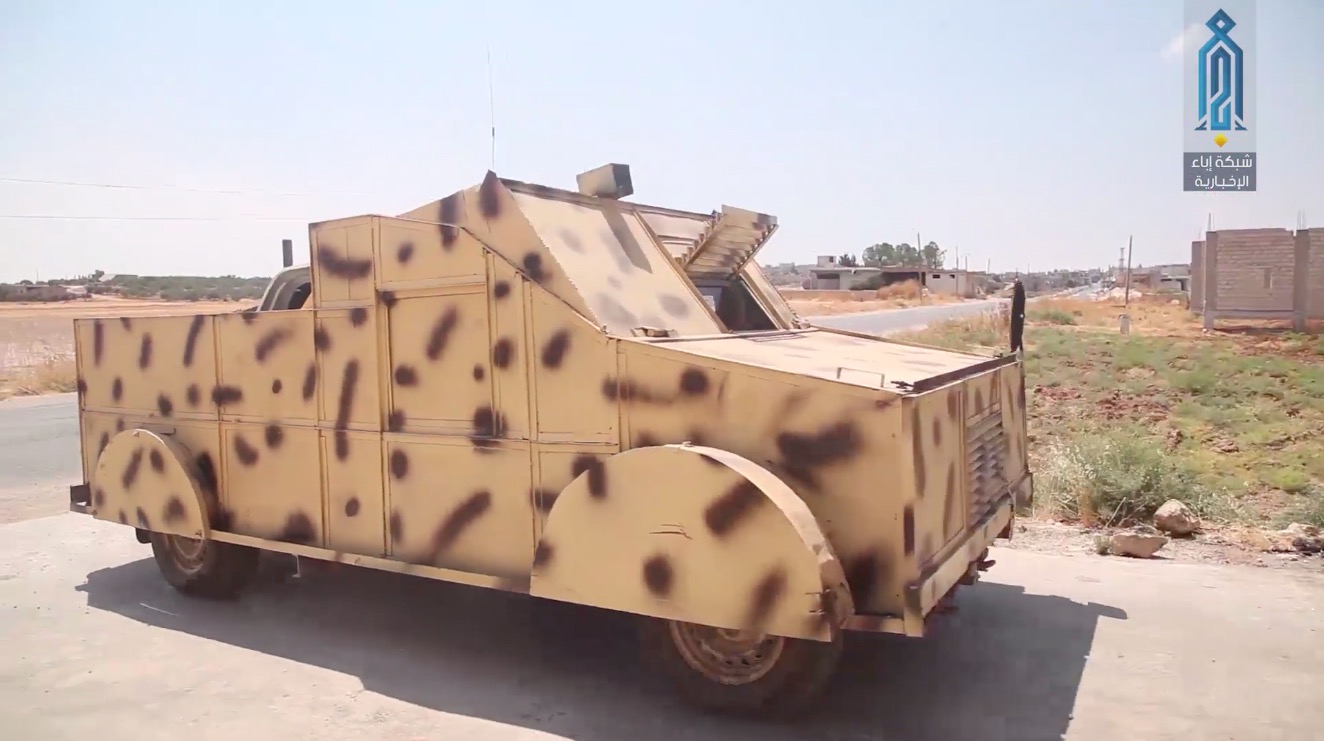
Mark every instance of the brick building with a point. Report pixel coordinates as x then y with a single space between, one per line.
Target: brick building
1258 274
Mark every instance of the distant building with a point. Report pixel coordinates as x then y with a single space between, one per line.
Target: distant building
829 275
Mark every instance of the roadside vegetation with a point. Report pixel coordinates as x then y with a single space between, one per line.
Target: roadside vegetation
1224 422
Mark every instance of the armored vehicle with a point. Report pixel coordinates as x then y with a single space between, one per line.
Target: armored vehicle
575 396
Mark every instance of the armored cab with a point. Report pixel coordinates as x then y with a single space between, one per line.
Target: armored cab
574 396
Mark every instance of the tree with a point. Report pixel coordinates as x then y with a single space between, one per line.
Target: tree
879 255
848 261
933 256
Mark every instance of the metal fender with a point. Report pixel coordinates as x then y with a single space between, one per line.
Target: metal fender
148 481
695 534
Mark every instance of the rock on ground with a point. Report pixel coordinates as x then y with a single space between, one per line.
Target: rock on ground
1139 542
1175 518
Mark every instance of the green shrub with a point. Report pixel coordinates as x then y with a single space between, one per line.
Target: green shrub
1051 316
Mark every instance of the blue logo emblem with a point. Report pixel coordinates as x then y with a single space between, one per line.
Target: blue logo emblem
1222 92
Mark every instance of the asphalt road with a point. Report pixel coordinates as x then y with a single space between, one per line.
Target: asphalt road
93 644
39 456
898 320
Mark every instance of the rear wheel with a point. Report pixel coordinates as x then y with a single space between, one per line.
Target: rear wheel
739 671
204 568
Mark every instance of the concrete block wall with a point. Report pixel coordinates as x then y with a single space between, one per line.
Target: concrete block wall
1256 270
1315 278
1197 276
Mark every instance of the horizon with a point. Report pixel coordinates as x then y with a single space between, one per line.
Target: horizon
853 123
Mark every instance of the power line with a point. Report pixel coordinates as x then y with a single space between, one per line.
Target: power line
55 217
223 191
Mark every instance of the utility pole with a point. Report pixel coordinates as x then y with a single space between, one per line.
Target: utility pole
1127 300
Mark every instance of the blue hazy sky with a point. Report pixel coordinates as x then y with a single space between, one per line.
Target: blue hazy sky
1029 134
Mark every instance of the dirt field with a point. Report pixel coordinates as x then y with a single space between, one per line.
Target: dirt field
898 296
37 340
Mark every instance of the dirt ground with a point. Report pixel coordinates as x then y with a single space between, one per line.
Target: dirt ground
37 339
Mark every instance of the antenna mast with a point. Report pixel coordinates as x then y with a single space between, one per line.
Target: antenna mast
491 106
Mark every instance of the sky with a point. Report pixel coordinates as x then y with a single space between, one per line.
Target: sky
1023 135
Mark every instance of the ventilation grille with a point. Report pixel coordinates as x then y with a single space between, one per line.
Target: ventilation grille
986 462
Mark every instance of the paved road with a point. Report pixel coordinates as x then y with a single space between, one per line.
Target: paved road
897 320
39 455
94 645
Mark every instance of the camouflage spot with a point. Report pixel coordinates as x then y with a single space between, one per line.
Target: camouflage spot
274 435
352 507
441 332
646 440
954 406
674 305
503 352
395 421
399 463
388 298
269 342
98 341
156 460
542 555
248 315
357 316
405 375
921 471
764 599
222 395
694 382
194 395
298 529
397 527
191 342
597 474
99 497
489 196
500 289
174 511
458 521
658 575
862 575
949 501
908 529
937 432
246 453
404 253
206 473
614 312
342 267
553 353
545 498
164 405
803 454
130 474
143 522
310 381
117 389
479 373
321 339
126 323
448 215
1020 397
533 266
572 240
348 385
145 352
733 507
82 386
124 519
615 282
487 423
119 424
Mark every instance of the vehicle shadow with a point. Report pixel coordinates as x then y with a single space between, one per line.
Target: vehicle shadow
1007 665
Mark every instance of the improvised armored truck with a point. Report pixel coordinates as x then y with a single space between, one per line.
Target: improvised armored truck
573 396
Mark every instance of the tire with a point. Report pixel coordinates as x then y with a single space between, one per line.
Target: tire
783 680
204 568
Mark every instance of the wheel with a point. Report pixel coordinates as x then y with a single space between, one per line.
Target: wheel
737 671
204 568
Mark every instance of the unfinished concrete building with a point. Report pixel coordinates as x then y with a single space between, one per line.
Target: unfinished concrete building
1259 274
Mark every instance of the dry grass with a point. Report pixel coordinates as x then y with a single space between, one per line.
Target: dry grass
895 296
1225 421
37 340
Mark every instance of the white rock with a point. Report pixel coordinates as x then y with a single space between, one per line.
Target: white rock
1304 538
1176 518
1136 545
